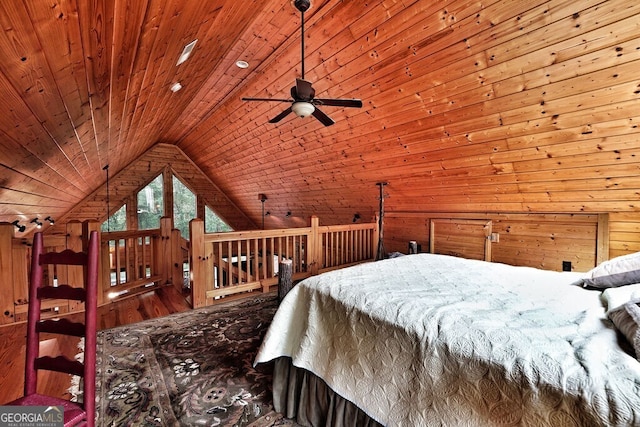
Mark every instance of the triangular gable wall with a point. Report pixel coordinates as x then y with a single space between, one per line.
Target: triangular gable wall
126 183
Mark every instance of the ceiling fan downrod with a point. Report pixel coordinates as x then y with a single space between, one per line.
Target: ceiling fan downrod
302 6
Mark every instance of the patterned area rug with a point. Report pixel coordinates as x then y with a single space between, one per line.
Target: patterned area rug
189 369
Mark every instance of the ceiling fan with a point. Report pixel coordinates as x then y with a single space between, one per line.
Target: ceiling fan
303 102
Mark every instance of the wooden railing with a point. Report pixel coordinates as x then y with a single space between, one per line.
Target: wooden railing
220 264
224 264
134 261
15 259
342 245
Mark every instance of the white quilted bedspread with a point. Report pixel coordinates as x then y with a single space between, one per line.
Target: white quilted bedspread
424 340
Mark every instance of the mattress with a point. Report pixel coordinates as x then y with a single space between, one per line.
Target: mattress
428 339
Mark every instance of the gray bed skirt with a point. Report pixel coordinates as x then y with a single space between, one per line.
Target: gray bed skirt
306 398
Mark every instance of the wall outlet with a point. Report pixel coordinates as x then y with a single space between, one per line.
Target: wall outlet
566 265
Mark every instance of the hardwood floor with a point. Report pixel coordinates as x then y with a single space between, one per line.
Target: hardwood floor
149 305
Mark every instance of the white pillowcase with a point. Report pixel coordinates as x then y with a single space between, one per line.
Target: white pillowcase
619 271
615 297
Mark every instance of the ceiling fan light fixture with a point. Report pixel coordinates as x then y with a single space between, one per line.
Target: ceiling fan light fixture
303 108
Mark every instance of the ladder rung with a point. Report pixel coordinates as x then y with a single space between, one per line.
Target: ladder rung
62 326
60 364
62 292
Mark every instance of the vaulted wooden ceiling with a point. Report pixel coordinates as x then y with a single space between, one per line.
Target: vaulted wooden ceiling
496 106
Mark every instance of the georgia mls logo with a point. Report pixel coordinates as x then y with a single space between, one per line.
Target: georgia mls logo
56 411
31 416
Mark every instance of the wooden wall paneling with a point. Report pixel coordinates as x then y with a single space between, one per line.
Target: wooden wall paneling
537 240
74 274
401 229
603 239
6 273
21 263
467 238
546 245
624 230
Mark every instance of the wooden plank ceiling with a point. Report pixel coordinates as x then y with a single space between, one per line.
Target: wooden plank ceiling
469 106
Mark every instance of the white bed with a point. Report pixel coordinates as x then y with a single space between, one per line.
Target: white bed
428 339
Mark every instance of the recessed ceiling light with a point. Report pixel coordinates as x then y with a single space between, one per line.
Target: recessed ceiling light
242 64
186 52
176 87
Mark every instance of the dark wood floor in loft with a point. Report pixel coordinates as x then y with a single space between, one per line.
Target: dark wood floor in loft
150 305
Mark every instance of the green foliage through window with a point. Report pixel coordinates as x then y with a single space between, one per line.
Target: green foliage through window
184 207
117 221
151 205
213 223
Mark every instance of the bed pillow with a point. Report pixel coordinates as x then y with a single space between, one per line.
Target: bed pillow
619 271
616 297
627 319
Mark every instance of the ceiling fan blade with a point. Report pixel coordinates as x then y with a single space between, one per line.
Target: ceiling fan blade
324 119
356 103
281 116
304 91
267 99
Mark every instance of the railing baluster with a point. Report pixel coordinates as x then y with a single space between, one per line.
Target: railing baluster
249 260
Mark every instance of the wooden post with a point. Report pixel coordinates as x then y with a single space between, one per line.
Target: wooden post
285 281
197 261
413 247
131 203
314 249
165 259
6 273
167 193
376 237
176 274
